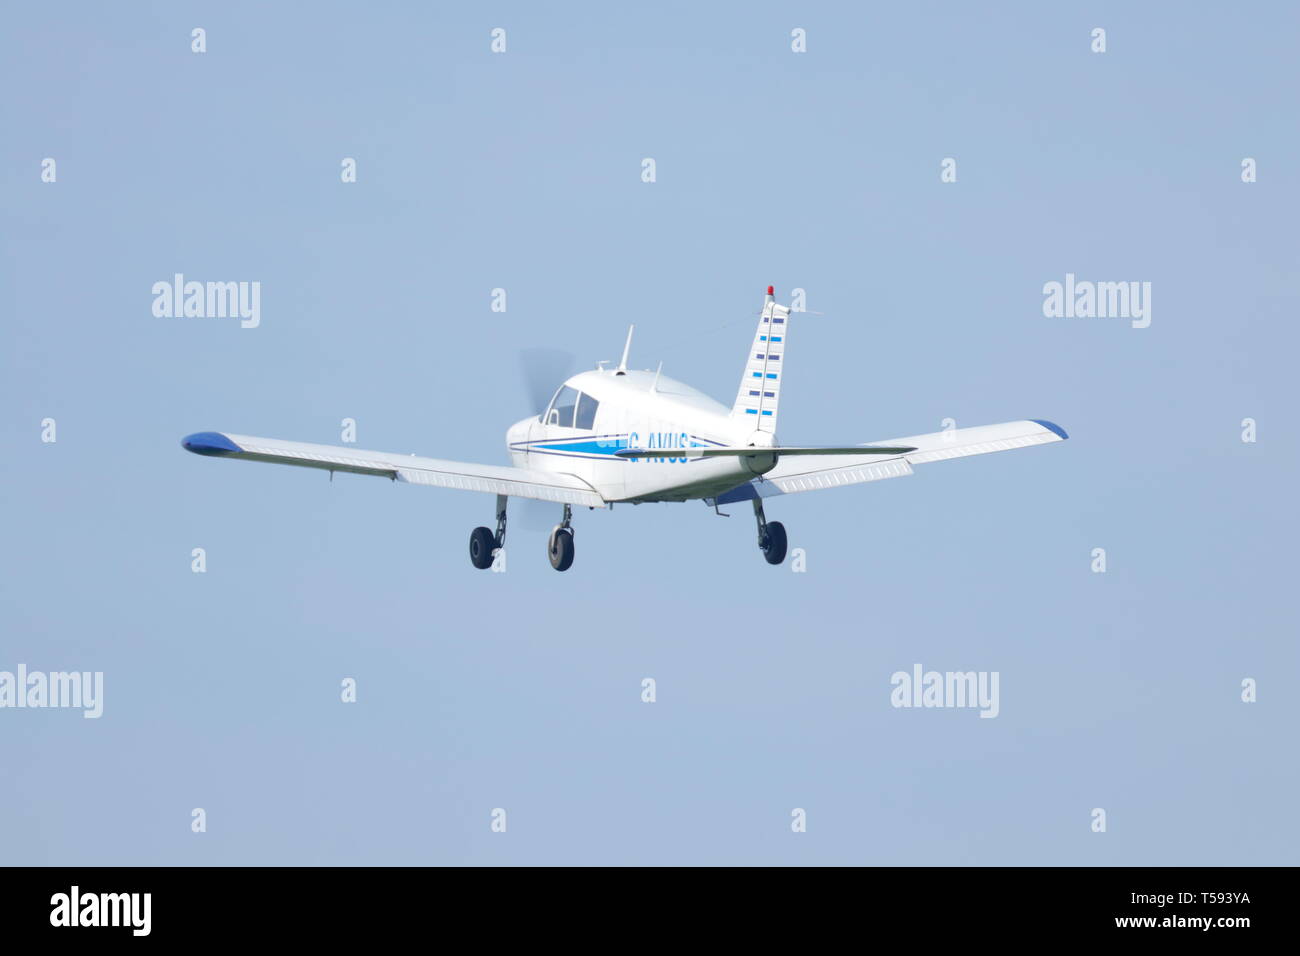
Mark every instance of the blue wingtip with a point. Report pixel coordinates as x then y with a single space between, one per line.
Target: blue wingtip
1051 427
209 443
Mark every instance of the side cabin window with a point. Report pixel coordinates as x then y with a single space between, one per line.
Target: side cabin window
562 407
586 412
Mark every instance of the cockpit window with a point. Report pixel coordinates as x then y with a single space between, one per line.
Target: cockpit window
586 412
562 407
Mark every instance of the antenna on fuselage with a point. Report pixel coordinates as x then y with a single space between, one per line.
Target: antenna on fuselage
654 386
622 366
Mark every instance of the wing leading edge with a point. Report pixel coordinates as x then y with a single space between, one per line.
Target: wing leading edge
467 476
793 475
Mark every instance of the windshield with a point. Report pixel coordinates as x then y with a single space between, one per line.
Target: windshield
562 407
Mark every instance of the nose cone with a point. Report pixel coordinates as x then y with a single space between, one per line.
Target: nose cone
519 431
210 443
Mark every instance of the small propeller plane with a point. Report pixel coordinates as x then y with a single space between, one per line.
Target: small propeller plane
619 435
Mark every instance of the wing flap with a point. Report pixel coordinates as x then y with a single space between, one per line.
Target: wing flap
815 479
523 483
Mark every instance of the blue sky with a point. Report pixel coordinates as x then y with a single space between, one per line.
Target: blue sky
522 690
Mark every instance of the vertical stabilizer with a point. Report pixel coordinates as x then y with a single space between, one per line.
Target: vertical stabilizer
760 386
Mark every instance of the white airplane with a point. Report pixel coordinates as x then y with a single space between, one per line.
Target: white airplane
619 435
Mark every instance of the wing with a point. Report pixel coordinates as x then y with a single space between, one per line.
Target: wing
493 479
792 475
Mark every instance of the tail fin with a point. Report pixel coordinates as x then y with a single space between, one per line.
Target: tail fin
760 386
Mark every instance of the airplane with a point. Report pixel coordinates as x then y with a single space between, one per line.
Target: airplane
617 435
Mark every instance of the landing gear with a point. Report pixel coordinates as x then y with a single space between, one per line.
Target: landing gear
560 546
483 542
771 535
774 549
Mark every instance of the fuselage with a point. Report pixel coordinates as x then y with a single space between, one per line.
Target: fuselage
598 413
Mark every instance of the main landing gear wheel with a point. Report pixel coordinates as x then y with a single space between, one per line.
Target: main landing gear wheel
560 546
774 545
482 542
560 549
771 536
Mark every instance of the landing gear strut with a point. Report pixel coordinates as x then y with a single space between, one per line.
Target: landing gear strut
560 546
483 542
771 535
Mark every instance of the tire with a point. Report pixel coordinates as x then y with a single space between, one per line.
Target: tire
560 550
481 543
774 546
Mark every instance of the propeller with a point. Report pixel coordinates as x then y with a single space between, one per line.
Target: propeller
543 370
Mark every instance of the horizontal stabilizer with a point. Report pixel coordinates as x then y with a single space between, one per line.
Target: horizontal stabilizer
746 450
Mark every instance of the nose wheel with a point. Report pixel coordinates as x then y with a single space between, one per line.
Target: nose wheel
771 535
559 548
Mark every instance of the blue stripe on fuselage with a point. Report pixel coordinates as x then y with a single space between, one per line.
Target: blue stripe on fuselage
604 447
